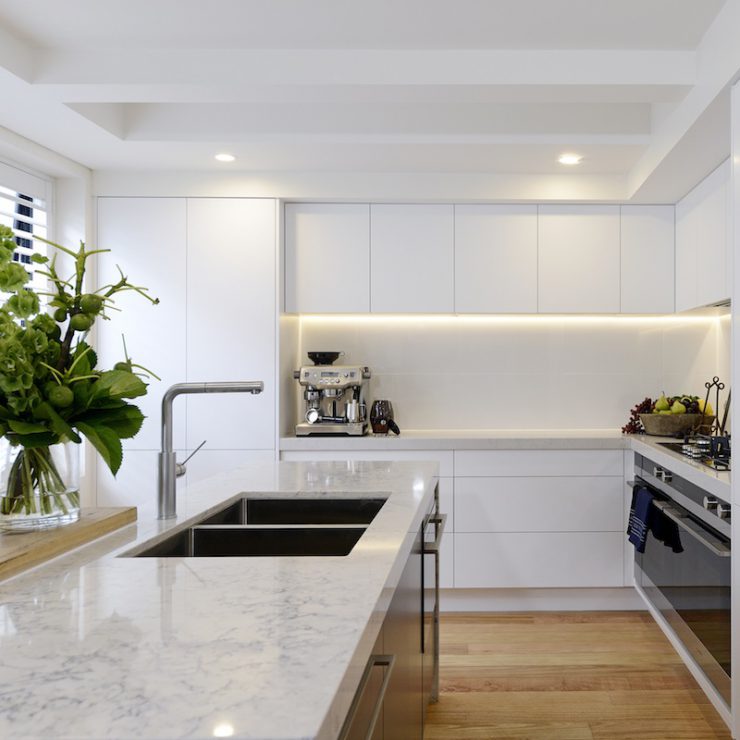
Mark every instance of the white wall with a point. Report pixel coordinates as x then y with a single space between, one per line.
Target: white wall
523 372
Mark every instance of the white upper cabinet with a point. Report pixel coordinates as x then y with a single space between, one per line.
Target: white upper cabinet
579 260
327 257
495 259
411 259
702 238
231 322
647 259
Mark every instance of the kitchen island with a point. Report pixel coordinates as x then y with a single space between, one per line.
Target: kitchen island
98 645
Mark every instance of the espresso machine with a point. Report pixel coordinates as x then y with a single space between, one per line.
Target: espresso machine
334 396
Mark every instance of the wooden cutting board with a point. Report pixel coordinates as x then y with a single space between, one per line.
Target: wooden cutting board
19 552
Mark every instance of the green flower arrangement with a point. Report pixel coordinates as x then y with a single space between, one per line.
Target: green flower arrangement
51 390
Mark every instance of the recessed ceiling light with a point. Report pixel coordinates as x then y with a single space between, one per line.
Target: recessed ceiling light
223 157
570 159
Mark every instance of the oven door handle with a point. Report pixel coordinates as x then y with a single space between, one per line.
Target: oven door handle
715 545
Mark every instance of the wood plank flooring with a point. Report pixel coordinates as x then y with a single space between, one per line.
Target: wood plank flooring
565 676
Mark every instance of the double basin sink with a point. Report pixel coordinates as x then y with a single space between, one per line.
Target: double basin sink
261 527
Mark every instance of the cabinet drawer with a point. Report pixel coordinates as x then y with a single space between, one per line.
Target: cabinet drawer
584 504
539 560
524 463
444 458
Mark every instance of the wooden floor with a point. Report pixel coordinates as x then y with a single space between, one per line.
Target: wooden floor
565 676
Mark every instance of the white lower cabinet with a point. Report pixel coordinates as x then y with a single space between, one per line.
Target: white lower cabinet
538 559
539 519
523 518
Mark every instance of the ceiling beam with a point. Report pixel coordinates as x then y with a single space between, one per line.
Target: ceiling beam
364 67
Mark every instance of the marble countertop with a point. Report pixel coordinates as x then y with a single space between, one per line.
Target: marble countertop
96 645
521 439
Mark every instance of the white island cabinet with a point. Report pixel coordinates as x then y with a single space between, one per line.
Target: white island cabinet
411 259
579 259
495 259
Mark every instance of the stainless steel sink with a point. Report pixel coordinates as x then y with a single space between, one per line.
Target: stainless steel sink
298 511
254 541
263 527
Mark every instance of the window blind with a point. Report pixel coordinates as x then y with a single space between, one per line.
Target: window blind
24 208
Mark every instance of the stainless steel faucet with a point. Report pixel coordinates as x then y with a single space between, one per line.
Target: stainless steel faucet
168 466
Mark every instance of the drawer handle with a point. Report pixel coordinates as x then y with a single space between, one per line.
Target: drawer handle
439 521
386 661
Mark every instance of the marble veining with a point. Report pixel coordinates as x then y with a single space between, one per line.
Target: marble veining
98 645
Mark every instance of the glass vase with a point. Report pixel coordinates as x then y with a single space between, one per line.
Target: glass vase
40 486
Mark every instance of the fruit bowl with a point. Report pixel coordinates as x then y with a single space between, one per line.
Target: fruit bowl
674 425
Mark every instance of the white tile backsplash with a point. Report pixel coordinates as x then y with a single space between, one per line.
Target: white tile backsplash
525 374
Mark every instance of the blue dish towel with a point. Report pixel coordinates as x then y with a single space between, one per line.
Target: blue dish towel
640 515
644 518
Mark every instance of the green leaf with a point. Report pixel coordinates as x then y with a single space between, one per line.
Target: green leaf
37 440
105 441
26 427
118 384
39 259
62 428
125 421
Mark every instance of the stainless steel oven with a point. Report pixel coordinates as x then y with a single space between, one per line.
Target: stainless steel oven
690 588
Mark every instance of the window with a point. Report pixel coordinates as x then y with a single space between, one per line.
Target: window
23 207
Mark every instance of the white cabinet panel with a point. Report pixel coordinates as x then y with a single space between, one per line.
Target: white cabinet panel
647 268
703 251
524 463
148 241
495 259
539 560
712 238
447 550
686 253
579 259
411 258
586 504
327 257
231 320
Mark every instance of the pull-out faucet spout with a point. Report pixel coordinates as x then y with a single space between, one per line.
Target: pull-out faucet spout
167 457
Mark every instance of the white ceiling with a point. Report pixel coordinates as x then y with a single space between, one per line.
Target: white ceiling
445 86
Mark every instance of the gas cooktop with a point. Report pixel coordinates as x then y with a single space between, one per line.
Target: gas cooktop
714 452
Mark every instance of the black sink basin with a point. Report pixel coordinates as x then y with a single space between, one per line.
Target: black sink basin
255 541
298 511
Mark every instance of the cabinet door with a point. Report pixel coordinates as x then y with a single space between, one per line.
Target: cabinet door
647 267
702 243
686 248
147 240
411 259
578 259
495 259
712 238
231 324
327 258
